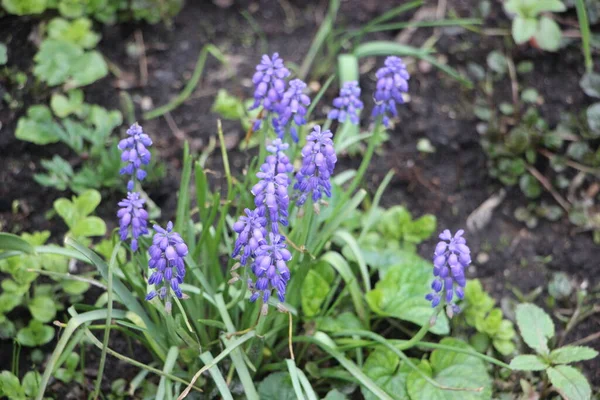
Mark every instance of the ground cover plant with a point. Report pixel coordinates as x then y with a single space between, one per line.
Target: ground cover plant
286 266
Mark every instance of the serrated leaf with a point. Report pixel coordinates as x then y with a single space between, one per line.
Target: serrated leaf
528 363
38 126
88 68
402 295
386 370
451 369
535 325
78 32
571 354
24 7
569 382
54 61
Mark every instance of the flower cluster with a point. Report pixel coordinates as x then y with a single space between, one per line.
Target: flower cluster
348 104
451 257
135 153
318 162
271 194
251 231
270 269
392 81
166 259
133 219
292 108
269 82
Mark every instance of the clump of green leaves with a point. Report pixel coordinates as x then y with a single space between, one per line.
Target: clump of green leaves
531 23
479 312
11 388
65 55
537 329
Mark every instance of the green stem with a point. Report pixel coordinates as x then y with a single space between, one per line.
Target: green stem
473 353
109 308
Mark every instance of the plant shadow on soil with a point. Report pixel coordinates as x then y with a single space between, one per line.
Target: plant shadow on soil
449 183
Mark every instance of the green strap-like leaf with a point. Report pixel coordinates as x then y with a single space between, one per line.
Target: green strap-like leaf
9 242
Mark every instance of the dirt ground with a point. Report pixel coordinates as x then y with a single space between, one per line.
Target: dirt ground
450 183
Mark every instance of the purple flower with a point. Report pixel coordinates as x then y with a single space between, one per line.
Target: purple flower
251 231
135 154
348 105
270 269
392 81
132 218
271 196
292 108
166 259
318 162
451 257
278 148
269 82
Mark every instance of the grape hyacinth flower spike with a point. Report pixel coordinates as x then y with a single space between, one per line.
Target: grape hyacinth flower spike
392 81
251 231
318 163
135 153
451 257
269 84
270 268
292 108
348 104
271 194
166 260
133 219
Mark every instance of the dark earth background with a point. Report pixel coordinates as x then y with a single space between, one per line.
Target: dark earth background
450 183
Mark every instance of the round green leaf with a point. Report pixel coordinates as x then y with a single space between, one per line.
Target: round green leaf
451 369
31 383
548 35
523 29
590 83
35 334
277 386
314 291
42 308
386 370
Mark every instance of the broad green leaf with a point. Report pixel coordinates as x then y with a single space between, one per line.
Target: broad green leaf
63 106
88 68
523 29
571 354
89 226
388 372
539 6
8 301
402 295
420 229
497 62
277 386
451 369
38 126
35 334
104 122
54 61
528 363
24 7
73 287
66 210
344 321
569 382
548 35
392 222
535 325
87 202
314 291
503 346
530 95
31 383
8 241
42 308
530 186
10 386
593 118
228 106
78 32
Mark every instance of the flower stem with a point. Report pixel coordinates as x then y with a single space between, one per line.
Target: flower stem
362 169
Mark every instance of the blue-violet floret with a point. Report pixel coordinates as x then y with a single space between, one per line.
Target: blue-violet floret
133 218
269 82
271 194
270 268
348 104
292 108
451 257
251 231
135 153
166 260
392 81
318 163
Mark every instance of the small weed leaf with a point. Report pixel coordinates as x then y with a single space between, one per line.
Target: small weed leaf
528 363
571 354
535 325
388 372
570 383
